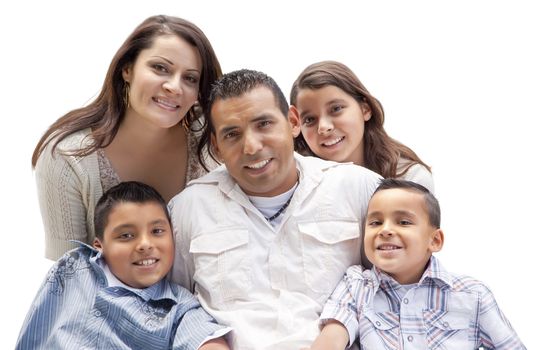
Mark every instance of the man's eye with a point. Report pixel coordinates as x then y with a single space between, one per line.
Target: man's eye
264 123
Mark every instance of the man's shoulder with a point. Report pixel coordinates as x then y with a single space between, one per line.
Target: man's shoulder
332 168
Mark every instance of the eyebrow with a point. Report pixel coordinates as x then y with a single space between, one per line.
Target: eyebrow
397 212
172 63
263 116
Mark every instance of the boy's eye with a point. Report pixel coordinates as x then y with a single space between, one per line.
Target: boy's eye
126 235
158 231
405 222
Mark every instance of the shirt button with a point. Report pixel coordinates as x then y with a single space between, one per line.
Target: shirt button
406 301
377 323
445 324
97 313
410 338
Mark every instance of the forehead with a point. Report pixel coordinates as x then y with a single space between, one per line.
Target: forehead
397 199
133 213
328 92
240 109
174 49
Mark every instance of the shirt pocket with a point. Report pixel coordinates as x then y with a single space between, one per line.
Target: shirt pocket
328 249
448 329
222 263
379 330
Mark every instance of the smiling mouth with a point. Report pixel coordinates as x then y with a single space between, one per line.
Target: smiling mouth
146 262
165 103
258 165
333 142
388 247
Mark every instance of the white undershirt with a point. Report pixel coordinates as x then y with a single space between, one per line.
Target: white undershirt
268 206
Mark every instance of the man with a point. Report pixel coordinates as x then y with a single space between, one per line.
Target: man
264 239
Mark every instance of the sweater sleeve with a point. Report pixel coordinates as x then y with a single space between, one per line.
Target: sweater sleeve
67 188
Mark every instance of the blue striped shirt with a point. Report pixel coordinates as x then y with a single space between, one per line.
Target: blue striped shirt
442 311
75 308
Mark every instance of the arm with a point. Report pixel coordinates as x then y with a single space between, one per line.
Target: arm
195 326
215 344
64 195
495 330
333 336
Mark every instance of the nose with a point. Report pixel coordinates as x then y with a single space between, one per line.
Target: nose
144 243
252 143
386 230
173 85
325 125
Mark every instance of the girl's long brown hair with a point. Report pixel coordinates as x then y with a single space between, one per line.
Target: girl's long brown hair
105 113
381 152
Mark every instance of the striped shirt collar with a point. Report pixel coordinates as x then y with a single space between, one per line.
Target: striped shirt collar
434 273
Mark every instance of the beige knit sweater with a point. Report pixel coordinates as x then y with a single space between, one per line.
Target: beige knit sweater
68 188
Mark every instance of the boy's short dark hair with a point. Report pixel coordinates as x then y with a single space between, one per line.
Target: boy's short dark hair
235 84
432 204
129 191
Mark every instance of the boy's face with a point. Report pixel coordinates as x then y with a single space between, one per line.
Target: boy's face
137 243
399 238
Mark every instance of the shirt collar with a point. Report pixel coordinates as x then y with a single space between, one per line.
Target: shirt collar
435 272
158 291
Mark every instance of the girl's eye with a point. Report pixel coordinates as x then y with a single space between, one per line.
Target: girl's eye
374 223
405 222
308 121
336 108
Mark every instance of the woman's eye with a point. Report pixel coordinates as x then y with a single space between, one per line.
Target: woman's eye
160 68
192 79
230 134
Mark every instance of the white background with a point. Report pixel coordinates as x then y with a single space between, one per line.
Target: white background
458 80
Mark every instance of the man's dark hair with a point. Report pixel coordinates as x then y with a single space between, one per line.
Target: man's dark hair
124 192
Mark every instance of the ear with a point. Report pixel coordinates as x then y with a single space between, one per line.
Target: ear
294 120
215 146
127 73
366 111
437 240
97 244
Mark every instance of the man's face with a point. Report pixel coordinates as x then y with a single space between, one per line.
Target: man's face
254 140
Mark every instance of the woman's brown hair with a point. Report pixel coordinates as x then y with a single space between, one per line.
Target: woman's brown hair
105 113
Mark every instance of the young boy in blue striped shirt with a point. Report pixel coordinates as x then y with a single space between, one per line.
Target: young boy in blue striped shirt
114 295
408 300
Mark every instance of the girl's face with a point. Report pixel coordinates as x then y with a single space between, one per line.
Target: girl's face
332 123
164 81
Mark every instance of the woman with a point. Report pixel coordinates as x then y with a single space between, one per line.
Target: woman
142 126
341 121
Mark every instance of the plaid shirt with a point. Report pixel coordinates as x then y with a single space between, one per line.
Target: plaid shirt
442 311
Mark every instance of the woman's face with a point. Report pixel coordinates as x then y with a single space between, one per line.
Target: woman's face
332 123
164 81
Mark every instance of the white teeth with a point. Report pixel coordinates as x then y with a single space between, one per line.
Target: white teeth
388 247
333 142
258 165
166 103
147 262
